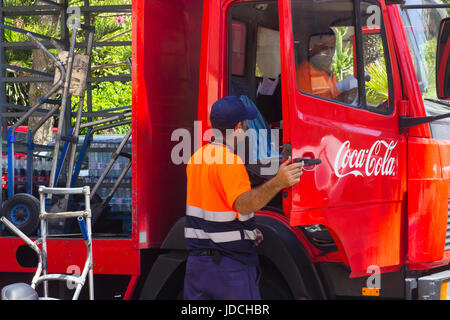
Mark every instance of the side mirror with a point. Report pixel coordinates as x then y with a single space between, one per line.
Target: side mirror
443 61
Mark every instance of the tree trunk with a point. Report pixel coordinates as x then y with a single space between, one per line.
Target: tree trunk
41 62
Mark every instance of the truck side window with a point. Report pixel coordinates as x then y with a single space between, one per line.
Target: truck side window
375 58
323 43
326 52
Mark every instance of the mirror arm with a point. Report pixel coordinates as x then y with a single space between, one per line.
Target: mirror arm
408 122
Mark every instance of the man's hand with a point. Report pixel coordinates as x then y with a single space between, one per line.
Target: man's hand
259 238
288 174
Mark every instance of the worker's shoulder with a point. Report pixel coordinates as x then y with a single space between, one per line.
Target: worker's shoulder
212 154
194 159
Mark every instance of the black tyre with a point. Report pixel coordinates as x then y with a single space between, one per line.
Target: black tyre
272 284
22 210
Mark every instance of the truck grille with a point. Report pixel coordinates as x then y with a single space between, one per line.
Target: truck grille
447 236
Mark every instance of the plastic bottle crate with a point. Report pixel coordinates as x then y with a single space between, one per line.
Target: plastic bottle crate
98 161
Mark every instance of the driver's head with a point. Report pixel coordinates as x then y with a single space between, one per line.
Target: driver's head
321 49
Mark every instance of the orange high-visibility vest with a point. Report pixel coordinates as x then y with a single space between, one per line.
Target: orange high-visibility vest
316 82
216 177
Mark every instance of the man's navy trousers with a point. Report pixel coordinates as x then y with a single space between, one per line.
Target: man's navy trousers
226 280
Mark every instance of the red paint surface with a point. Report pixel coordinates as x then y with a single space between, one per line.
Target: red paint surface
428 192
109 256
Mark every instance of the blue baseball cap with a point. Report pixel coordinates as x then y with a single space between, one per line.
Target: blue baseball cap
229 111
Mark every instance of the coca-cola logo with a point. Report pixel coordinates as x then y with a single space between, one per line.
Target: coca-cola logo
374 161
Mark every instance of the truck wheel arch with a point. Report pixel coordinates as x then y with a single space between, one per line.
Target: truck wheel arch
280 247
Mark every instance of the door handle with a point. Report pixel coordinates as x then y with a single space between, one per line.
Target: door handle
309 160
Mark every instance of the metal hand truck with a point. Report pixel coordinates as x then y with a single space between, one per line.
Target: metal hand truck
22 291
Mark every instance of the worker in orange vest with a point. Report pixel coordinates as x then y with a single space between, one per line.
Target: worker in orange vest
220 226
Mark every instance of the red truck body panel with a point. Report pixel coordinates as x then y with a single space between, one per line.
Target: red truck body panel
110 256
375 202
367 197
428 194
166 57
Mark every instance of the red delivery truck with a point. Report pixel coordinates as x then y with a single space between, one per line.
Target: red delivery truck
361 85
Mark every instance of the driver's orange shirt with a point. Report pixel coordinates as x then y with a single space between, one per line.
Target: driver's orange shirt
316 82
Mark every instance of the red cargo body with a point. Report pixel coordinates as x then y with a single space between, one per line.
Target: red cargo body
165 81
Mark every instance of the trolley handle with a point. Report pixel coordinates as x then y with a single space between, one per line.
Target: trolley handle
45 190
83 228
19 233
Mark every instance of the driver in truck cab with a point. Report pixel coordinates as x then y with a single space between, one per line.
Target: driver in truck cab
314 75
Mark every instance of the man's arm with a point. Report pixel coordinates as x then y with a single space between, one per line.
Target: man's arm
255 199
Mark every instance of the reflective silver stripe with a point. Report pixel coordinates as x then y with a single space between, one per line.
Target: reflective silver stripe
245 217
218 237
250 234
214 216
214 236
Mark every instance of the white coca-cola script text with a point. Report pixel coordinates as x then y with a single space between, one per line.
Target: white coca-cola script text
377 160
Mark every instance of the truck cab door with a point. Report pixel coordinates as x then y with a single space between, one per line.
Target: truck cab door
349 123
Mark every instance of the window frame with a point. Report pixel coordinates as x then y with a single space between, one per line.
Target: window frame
387 60
362 105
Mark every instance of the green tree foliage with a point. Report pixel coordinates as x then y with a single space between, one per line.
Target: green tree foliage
430 61
377 88
109 61
106 61
342 64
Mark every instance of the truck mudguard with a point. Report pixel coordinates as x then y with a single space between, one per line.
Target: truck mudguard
280 246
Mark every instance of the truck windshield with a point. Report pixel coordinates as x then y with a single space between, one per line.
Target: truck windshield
422 29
